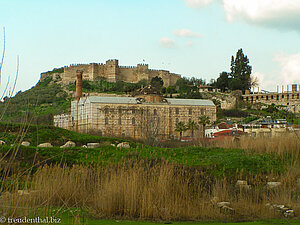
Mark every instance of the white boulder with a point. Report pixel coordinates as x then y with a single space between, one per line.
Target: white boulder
289 213
68 144
272 185
2 142
45 145
123 145
93 145
25 143
243 184
222 204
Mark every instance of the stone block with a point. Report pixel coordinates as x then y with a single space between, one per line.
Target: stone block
93 145
272 185
68 144
123 145
25 143
45 145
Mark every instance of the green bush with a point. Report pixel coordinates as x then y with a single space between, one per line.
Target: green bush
235 113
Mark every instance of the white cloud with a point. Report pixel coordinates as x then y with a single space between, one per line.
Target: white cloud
197 3
282 14
288 74
290 67
185 33
167 42
266 82
275 13
189 44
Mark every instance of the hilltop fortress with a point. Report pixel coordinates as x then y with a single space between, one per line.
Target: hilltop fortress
113 73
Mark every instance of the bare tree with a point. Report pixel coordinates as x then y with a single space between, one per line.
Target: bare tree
150 125
254 81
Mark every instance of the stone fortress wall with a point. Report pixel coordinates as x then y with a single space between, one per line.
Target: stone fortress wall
113 73
289 98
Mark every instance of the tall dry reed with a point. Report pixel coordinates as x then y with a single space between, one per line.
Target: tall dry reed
143 190
282 145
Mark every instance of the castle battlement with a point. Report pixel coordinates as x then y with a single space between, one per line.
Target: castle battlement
112 61
76 64
113 72
127 67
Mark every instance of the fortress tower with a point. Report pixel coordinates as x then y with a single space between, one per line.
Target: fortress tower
112 70
142 72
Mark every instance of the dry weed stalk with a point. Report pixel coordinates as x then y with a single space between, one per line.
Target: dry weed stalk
160 191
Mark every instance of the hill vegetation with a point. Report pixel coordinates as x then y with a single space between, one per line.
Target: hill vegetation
36 105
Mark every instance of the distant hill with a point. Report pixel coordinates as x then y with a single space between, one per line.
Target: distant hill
36 105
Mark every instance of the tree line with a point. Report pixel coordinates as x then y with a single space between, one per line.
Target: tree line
239 77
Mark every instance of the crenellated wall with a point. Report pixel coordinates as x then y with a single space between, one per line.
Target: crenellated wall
113 73
290 99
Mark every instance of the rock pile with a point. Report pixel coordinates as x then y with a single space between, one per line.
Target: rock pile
286 211
224 207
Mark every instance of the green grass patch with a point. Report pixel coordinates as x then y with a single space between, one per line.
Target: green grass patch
37 134
214 161
77 216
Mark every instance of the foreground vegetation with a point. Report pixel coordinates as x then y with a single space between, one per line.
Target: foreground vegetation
143 182
215 159
146 191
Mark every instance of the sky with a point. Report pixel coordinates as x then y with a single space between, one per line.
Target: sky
189 37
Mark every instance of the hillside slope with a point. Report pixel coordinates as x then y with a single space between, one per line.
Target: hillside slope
36 105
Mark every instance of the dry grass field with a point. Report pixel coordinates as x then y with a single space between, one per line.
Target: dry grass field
160 190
